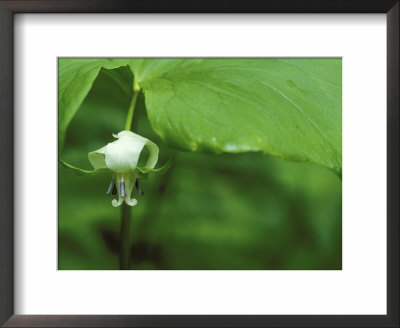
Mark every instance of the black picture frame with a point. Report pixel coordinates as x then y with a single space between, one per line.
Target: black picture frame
7 11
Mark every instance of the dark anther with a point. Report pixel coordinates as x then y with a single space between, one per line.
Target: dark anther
111 187
114 190
140 192
122 188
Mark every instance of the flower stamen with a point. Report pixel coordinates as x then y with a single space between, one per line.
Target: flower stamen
111 187
122 189
140 192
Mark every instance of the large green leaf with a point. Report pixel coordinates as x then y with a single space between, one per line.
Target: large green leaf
76 76
243 211
289 108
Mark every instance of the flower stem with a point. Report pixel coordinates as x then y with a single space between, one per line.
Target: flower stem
131 110
124 255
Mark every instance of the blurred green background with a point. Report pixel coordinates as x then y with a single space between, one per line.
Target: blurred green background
245 211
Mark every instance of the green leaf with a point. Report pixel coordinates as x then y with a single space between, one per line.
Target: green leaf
76 76
289 108
146 69
81 172
161 170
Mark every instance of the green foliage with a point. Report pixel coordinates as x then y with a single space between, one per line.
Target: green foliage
76 76
226 211
289 108
80 172
212 209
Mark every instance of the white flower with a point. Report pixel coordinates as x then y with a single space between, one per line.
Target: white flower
121 157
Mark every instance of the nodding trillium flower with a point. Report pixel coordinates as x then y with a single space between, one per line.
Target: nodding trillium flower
122 157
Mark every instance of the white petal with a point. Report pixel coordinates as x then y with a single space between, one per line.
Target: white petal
123 154
131 202
97 158
153 157
153 148
118 202
127 133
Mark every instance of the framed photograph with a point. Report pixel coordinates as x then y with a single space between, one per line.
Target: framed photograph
214 164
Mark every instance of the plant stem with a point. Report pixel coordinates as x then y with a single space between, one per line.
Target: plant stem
124 255
131 110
